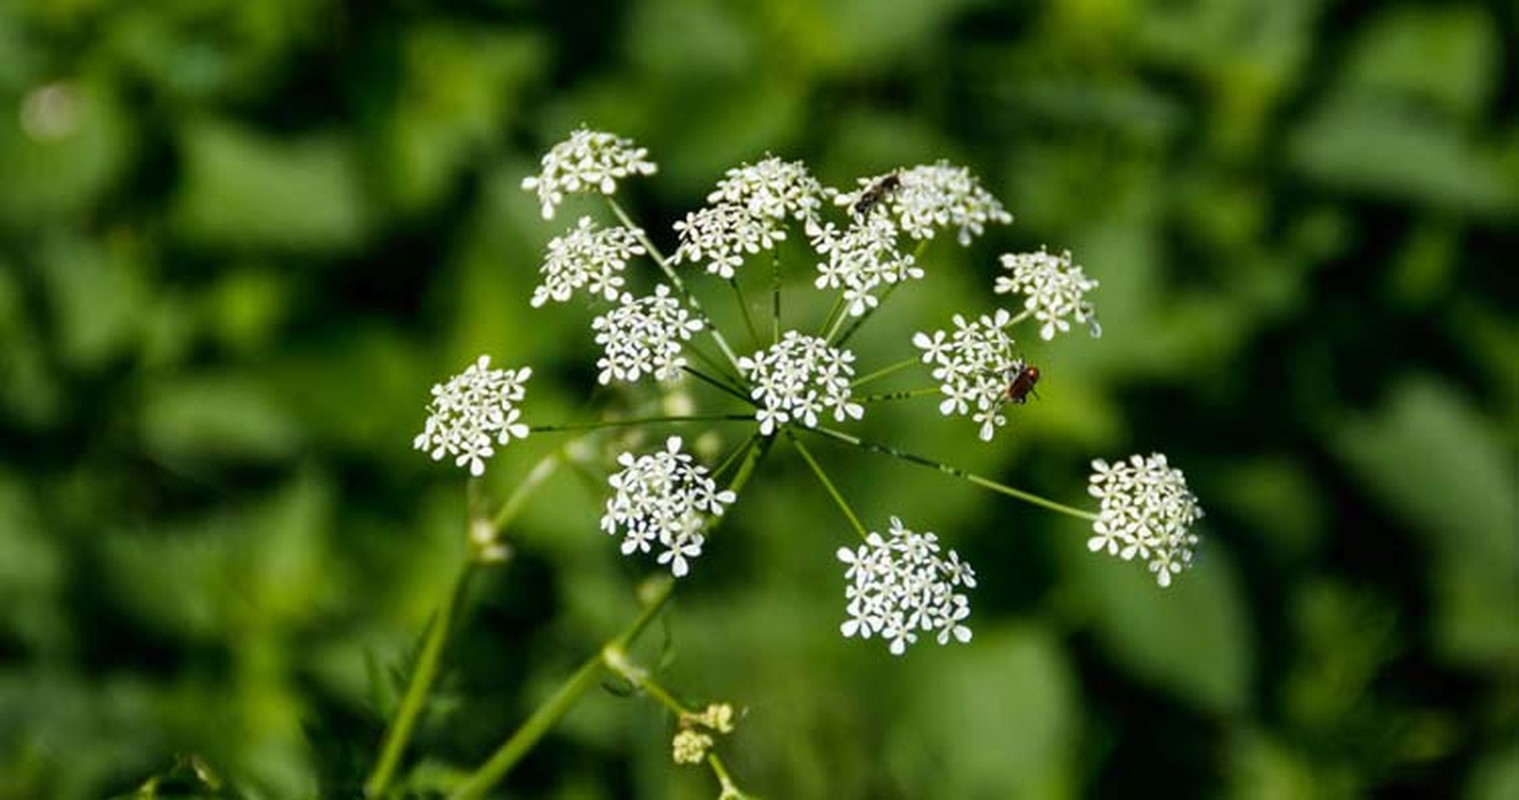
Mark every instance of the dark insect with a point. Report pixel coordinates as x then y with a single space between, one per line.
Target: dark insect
1021 384
875 193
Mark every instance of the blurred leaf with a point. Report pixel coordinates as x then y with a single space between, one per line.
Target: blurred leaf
1191 639
1394 52
1373 147
33 567
1277 498
244 189
65 149
1261 768
230 415
1497 776
1430 457
995 719
246 306
97 293
30 394
194 50
459 92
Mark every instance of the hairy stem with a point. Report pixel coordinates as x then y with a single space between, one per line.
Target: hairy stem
564 698
412 702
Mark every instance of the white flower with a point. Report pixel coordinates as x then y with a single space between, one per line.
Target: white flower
799 377
588 161
722 234
973 365
899 585
474 408
932 196
1055 289
588 258
864 257
642 336
773 189
1146 511
663 498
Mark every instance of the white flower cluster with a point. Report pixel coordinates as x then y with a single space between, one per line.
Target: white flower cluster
931 196
1054 287
722 235
861 259
665 497
773 189
475 408
1146 511
643 336
901 585
587 257
973 366
797 378
588 161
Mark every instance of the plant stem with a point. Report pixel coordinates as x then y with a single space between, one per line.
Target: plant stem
775 296
884 371
738 295
921 461
890 288
514 748
543 718
422 677
833 491
729 389
518 498
680 286
622 423
905 394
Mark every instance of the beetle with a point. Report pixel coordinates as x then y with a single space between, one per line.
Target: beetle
1021 383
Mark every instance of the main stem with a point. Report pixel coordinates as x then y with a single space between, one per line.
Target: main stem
563 699
514 748
412 703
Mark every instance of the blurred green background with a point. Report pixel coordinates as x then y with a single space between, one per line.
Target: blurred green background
239 241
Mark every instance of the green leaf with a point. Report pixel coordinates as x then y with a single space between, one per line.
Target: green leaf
996 718
227 415
1191 639
1395 51
1383 149
244 189
1438 463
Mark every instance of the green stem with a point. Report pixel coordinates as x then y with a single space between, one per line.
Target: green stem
399 733
518 498
775 296
738 296
833 491
884 371
905 394
730 789
622 423
514 748
720 384
986 483
617 661
849 333
833 314
680 286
